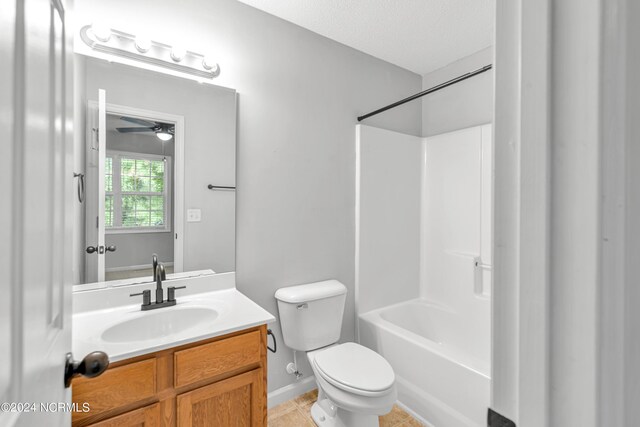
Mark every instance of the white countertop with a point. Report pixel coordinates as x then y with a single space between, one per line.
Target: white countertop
93 315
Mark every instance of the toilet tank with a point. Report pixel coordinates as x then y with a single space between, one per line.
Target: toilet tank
311 314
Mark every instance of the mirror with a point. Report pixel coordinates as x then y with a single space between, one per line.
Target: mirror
159 173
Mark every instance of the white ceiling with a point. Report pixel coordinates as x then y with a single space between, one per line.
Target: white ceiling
419 35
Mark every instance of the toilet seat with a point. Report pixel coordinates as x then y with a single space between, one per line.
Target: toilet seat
356 369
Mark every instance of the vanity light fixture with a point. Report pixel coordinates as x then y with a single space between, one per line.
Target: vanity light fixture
178 53
209 64
101 38
101 32
142 44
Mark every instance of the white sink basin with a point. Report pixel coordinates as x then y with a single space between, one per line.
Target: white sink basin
160 323
209 307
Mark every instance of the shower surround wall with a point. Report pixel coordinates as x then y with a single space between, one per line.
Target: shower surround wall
456 225
423 266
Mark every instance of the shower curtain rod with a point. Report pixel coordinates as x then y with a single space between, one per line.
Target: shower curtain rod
428 91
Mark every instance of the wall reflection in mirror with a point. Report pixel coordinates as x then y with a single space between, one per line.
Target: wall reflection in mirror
140 198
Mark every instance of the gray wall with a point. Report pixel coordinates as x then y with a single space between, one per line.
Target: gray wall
299 96
210 150
465 104
136 248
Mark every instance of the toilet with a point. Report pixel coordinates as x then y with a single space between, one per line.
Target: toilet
355 384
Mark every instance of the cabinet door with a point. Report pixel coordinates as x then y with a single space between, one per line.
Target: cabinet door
235 402
148 416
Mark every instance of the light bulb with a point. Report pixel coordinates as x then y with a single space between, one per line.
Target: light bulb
101 32
143 44
210 64
178 53
164 136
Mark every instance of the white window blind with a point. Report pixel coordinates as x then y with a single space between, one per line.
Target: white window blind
137 193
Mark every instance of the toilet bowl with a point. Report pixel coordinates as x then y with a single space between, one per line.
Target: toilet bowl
355 384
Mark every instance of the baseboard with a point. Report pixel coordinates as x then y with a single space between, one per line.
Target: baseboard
135 267
414 414
290 391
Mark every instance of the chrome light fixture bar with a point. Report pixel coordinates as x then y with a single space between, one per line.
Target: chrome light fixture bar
140 49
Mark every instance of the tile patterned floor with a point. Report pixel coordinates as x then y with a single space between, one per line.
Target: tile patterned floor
297 413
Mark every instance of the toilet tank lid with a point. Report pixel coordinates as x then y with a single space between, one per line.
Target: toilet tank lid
310 291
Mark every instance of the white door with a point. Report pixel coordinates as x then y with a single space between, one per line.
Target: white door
95 250
102 154
35 216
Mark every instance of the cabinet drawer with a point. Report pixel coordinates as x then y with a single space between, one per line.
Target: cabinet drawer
148 416
213 359
117 387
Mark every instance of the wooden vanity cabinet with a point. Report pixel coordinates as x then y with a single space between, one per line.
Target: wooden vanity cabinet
216 382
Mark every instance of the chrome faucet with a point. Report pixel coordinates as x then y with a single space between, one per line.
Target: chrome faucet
154 265
159 275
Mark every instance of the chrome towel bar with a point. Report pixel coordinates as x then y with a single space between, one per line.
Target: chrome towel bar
218 187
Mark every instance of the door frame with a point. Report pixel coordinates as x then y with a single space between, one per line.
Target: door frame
520 303
178 169
565 279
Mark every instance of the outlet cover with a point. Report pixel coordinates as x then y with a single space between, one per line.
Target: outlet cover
194 215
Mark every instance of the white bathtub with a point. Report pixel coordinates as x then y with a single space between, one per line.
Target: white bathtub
440 360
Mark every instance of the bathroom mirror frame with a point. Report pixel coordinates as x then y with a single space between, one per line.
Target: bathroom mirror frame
177 173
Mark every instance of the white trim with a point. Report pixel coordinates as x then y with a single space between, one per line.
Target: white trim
135 267
228 278
90 208
618 295
102 148
357 232
520 312
291 391
414 414
136 230
534 204
581 310
178 182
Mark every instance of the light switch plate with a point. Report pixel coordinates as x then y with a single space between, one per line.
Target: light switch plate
194 215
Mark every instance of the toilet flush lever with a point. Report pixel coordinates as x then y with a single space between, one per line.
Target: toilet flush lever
303 306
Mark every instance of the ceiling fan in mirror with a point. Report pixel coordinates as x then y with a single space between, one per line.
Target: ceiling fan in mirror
164 131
